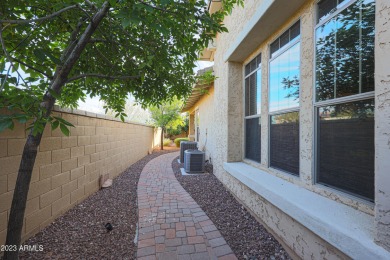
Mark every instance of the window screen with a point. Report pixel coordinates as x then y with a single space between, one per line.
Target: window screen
253 139
253 109
326 7
284 142
345 150
288 36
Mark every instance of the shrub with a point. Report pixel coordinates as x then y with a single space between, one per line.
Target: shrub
178 140
167 142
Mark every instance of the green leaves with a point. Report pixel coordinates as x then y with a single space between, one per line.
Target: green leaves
6 123
54 125
42 55
64 129
155 42
64 125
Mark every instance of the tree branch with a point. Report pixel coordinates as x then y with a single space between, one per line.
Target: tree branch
40 19
93 40
33 68
158 8
5 79
92 5
72 40
3 45
96 75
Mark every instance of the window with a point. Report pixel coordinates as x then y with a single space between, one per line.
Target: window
346 147
345 52
197 128
344 96
253 109
284 81
284 137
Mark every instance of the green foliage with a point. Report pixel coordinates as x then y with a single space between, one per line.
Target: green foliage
167 141
180 128
206 78
167 115
178 140
146 48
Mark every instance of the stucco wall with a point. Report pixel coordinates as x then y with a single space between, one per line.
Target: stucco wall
206 123
228 107
382 123
67 169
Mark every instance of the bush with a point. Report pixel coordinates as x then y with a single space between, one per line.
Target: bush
167 142
178 140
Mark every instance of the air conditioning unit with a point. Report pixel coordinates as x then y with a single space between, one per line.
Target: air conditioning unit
194 161
184 145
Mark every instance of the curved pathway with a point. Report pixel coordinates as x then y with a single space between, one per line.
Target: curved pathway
171 224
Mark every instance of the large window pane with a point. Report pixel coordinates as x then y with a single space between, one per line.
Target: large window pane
253 108
325 60
326 7
284 80
253 139
345 147
253 94
284 142
345 52
368 44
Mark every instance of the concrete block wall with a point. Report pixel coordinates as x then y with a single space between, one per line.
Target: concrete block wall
67 169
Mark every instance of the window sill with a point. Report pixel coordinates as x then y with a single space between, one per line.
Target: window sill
349 230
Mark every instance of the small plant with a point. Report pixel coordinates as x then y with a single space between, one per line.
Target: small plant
167 142
178 140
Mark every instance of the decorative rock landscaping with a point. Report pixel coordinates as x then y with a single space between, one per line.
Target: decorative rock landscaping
243 233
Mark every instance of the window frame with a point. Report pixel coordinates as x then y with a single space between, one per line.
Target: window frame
245 117
287 110
350 98
282 51
335 101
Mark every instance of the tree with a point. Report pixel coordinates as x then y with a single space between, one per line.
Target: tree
62 50
167 116
180 128
134 112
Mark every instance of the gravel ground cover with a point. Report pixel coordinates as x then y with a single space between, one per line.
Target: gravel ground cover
247 238
81 234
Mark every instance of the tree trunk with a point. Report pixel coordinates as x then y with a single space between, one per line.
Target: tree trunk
162 138
18 206
22 186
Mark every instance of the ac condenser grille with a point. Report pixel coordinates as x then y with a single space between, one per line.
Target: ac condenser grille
185 146
194 161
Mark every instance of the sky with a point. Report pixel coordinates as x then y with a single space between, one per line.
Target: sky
96 106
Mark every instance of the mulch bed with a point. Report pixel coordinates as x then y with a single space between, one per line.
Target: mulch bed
81 234
246 237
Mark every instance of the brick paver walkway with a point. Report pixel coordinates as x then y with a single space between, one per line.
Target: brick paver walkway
171 224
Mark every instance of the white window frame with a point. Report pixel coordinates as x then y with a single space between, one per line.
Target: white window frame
287 110
330 102
244 102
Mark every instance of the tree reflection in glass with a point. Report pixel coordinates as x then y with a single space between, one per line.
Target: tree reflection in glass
345 52
284 80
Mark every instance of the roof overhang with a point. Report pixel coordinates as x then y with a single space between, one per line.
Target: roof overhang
197 92
208 53
215 6
269 17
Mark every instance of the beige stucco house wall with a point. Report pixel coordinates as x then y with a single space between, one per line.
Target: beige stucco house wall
310 220
67 169
205 106
200 107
